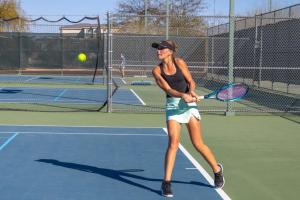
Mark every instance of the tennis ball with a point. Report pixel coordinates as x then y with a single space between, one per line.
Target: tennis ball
81 57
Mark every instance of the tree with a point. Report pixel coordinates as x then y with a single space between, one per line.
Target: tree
182 16
10 15
177 7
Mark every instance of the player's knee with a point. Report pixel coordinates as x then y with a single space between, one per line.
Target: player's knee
174 144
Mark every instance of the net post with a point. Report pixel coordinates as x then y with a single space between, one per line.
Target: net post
229 111
109 63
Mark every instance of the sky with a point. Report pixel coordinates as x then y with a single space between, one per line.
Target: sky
101 7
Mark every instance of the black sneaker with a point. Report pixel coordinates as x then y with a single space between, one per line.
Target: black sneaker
219 178
166 189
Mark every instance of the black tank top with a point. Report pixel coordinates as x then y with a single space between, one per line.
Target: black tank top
176 81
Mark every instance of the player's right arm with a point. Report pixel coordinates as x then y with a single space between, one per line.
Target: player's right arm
162 83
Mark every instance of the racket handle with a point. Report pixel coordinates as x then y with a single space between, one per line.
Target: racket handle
200 97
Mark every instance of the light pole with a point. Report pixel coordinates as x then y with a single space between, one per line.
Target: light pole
269 5
167 19
146 15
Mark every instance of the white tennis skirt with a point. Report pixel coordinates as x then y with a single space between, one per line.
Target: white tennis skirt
177 109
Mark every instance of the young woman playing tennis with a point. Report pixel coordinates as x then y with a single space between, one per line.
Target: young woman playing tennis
172 76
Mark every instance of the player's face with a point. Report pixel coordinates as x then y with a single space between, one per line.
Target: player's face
163 53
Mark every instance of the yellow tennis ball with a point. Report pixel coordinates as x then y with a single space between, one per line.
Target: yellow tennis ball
81 57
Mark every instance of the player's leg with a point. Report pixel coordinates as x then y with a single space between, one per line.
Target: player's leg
174 129
123 72
120 70
194 128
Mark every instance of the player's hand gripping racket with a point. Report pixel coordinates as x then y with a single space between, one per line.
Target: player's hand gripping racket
228 92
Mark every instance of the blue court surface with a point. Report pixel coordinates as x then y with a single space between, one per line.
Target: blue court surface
66 95
49 79
92 163
56 79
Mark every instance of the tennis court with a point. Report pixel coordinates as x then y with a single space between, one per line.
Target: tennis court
59 96
64 95
59 162
58 79
47 79
257 152
72 129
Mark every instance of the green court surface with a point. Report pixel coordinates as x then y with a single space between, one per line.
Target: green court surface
260 154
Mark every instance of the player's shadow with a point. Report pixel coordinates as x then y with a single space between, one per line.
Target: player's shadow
120 175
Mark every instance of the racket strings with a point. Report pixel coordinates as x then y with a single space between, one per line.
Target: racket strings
233 92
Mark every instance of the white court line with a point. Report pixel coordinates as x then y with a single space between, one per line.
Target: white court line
82 133
66 126
61 94
202 170
32 78
138 97
8 141
122 79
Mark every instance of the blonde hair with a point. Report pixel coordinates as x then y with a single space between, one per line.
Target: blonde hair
173 44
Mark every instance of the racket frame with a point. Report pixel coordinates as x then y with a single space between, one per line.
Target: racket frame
214 94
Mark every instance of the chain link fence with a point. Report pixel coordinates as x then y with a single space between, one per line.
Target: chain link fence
49 46
266 57
39 69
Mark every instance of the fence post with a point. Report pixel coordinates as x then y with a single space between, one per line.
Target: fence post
20 48
260 52
109 63
229 111
167 19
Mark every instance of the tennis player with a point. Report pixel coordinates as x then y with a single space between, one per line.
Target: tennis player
122 65
172 75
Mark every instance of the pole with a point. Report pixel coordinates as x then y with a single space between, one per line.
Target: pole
213 42
109 64
261 51
229 111
20 48
146 15
269 5
167 19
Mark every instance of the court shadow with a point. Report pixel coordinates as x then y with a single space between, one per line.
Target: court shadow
10 91
45 78
120 175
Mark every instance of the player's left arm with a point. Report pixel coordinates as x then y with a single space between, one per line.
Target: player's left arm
187 75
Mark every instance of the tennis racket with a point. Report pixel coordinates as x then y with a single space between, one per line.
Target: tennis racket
228 92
